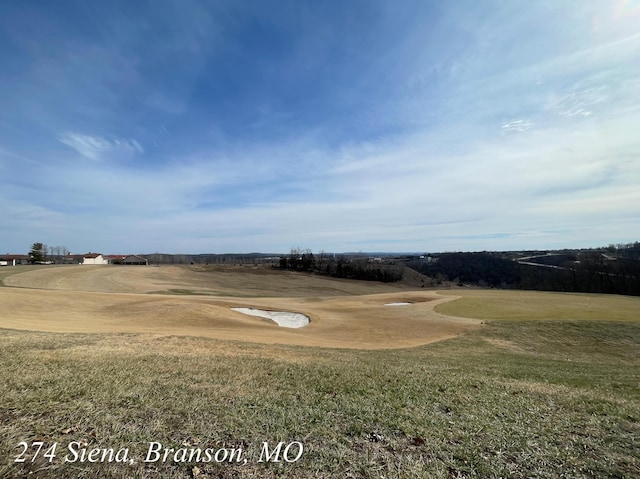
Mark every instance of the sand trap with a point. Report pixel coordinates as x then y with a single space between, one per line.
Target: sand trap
397 304
283 318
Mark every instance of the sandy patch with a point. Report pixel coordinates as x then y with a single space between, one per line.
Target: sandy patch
282 318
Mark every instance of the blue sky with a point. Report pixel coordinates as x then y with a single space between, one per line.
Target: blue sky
204 126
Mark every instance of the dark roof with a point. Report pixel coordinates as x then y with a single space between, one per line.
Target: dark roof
13 256
91 255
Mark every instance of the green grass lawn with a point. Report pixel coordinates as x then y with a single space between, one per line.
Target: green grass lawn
518 398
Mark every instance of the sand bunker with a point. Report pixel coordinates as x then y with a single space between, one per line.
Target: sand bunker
283 318
397 304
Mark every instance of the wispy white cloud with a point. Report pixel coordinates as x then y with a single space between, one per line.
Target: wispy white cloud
579 103
517 125
98 148
456 126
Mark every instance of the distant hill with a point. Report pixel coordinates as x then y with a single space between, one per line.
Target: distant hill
611 269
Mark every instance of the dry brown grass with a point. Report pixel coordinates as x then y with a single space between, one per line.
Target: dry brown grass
539 305
249 281
517 397
466 407
106 299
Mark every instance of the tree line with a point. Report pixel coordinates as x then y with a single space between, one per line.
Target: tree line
342 266
614 269
42 253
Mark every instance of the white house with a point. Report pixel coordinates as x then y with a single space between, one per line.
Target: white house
94 258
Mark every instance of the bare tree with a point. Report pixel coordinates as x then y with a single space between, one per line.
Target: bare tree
322 259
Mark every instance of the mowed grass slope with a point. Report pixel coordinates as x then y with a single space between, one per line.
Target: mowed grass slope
228 281
125 299
520 397
538 305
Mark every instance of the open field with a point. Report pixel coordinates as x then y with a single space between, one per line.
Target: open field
535 305
197 302
241 281
516 396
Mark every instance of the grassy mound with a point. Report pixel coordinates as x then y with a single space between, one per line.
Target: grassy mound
516 399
